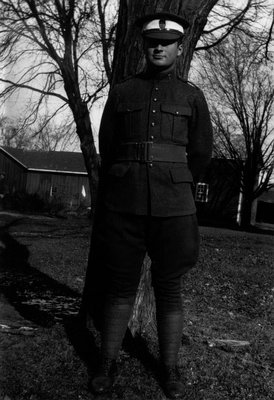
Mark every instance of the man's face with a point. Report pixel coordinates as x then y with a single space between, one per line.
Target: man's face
162 53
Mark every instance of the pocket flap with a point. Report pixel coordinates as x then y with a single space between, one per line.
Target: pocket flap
129 107
176 109
118 170
181 174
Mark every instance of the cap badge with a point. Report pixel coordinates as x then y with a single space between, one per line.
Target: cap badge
162 24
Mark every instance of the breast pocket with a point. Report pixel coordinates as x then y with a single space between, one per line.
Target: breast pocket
174 122
130 115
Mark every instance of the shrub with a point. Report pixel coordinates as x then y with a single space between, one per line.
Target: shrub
22 201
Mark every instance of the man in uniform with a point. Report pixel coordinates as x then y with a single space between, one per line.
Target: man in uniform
155 137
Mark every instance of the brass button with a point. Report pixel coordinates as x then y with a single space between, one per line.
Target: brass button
151 137
150 165
156 89
154 99
154 111
152 123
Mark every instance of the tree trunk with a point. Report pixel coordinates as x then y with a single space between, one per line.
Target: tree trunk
81 116
129 60
91 159
91 163
246 212
249 186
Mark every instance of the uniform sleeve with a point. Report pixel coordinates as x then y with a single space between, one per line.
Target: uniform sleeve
199 148
107 130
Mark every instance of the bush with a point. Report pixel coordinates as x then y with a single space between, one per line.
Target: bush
22 201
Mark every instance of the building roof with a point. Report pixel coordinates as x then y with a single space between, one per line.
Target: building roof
47 161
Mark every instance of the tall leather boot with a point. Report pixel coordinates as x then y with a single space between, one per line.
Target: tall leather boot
169 326
116 318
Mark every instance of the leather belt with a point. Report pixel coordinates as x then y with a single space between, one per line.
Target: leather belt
147 152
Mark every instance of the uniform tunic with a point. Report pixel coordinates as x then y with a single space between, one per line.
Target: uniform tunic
147 206
161 109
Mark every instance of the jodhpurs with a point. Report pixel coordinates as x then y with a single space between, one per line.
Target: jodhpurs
118 247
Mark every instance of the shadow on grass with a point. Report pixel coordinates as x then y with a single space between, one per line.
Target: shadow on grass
44 301
39 298
36 296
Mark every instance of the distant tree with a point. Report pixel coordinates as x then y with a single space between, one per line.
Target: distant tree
12 136
50 136
46 135
241 95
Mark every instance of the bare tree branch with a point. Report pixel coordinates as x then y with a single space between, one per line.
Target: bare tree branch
242 86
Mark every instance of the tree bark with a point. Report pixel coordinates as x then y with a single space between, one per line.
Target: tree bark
250 182
246 212
91 159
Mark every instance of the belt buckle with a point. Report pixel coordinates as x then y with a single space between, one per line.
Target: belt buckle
144 151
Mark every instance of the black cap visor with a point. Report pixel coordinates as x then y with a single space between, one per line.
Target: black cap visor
162 34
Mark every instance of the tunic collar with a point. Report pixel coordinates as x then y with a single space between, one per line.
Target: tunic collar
160 75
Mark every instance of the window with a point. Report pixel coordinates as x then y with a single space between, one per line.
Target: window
201 193
53 191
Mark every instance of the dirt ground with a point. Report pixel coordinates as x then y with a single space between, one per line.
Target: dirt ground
228 338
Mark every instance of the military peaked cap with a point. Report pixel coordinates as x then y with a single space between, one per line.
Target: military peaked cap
162 25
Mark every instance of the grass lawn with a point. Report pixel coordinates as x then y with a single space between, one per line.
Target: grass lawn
228 339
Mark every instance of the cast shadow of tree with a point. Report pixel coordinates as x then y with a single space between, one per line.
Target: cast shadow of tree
44 301
40 299
35 295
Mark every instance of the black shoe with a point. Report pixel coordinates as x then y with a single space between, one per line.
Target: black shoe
171 383
104 379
